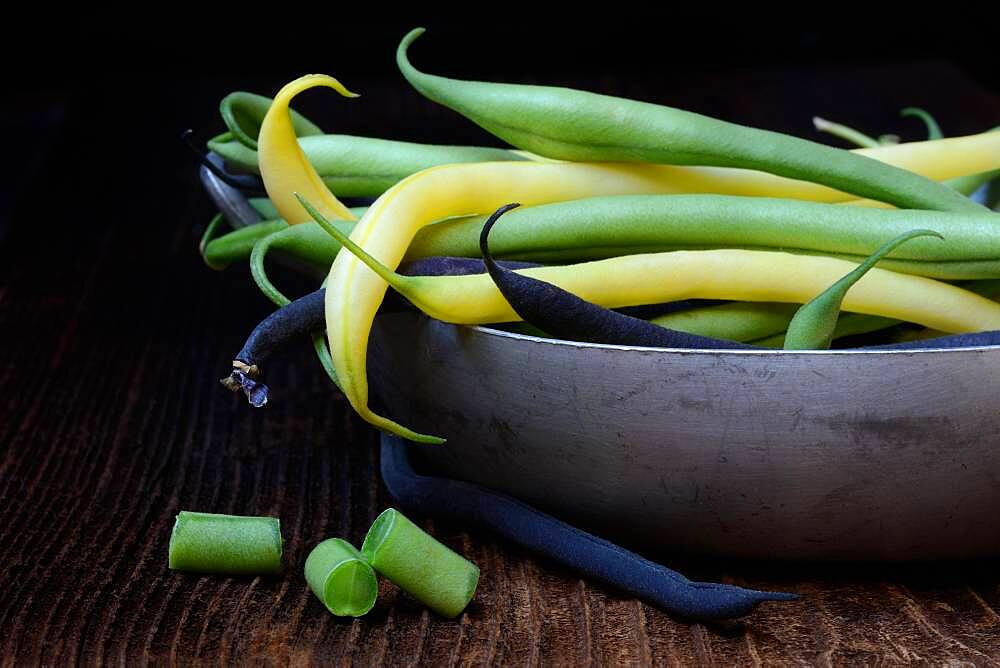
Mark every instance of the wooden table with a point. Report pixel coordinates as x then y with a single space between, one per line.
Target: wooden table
113 335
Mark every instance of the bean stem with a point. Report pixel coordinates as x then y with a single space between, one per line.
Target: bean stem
933 129
846 133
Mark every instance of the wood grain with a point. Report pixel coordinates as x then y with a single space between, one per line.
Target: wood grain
113 336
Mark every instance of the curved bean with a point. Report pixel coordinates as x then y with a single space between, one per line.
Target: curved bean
237 245
299 318
933 129
244 112
284 167
576 125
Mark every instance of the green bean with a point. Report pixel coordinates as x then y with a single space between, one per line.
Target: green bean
577 125
599 228
234 153
849 324
243 112
957 270
237 245
736 321
306 241
319 249
267 210
760 323
970 183
421 566
933 129
846 133
208 237
813 325
365 166
602 227
210 543
340 577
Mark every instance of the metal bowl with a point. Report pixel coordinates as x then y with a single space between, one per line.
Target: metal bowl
889 455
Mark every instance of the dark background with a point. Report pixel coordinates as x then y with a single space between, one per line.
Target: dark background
101 101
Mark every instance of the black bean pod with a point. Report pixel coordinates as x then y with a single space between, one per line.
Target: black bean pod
469 504
306 315
566 316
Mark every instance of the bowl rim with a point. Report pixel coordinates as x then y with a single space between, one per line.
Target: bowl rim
762 352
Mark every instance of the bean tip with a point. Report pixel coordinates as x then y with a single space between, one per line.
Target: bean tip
488 225
404 45
257 394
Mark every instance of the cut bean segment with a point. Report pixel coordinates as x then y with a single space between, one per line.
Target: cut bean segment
231 544
340 577
420 565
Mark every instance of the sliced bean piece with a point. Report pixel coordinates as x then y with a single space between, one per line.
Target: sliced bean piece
420 565
231 544
341 578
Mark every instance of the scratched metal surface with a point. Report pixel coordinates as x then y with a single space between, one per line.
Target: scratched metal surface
873 456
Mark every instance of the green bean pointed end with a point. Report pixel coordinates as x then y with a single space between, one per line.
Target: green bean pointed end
813 325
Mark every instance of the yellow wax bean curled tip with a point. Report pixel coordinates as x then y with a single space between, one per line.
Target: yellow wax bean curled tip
741 275
284 166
